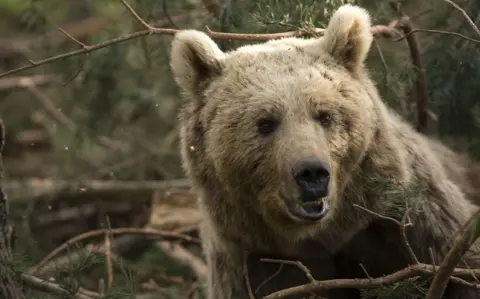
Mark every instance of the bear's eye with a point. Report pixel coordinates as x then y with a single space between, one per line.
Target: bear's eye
324 118
267 126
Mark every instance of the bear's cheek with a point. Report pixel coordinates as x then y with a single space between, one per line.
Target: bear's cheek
238 157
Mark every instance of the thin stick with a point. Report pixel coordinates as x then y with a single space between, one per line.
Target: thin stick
246 276
108 255
465 15
299 264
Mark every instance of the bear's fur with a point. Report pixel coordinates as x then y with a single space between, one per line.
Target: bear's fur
312 98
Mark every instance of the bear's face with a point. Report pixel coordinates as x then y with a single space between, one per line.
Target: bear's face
283 122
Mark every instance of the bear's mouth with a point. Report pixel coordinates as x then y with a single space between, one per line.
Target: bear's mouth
309 210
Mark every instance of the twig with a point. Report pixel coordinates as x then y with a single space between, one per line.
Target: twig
423 270
464 13
136 16
380 53
432 257
48 106
70 259
298 264
378 215
50 287
179 253
246 276
127 230
403 231
108 255
471 270
101 286
73 38
451 260
366 272
438 32
270 278
167 15
59 116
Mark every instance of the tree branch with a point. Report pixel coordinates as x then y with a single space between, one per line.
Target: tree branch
114 231
447 267
405 24
29 190
50 287
150 30
465 15
423 270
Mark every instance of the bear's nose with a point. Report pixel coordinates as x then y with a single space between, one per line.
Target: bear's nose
312 176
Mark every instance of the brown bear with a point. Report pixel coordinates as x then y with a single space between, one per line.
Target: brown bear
285 140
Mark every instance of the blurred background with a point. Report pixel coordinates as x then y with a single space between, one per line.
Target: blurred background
92 139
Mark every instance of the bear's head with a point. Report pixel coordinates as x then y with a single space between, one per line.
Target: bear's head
278 126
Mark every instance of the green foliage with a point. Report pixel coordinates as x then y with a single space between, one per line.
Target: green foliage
14 6
294 14
412 288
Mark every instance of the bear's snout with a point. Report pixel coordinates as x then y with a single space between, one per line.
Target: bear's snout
312 175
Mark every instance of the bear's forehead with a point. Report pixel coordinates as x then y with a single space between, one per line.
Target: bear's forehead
284 53
288 60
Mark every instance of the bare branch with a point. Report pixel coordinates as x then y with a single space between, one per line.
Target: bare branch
48 105
403 231
150 30
181 254
423 270
246 276
385 31
50 287
136 16
447 267
73 38
298 264
127 230
108 254
464 13
438 32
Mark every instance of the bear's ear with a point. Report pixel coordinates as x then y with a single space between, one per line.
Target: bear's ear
347 37
195 60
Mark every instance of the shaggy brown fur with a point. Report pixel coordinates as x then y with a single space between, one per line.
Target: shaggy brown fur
318 100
